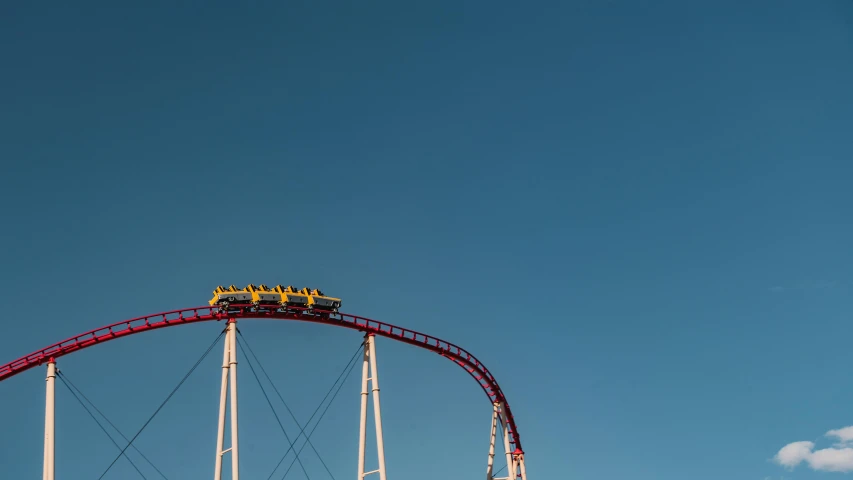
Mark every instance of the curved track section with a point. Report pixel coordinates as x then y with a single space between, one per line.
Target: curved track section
202 314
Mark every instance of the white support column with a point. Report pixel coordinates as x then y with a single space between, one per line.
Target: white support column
519 460
229 369
223 397
492 438
232 368
362 426
369 372
377 416
50 422
510 464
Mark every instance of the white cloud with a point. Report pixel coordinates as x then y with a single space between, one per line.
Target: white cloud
793 454
838 458
832 459
844 435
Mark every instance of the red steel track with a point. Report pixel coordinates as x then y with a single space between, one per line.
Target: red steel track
202 314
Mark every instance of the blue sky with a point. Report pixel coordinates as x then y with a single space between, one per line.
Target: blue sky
637 216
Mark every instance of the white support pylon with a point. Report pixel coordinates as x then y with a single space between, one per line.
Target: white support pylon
232 370
229 369
519 460
370 373
514 460
492 438
50 422
510 465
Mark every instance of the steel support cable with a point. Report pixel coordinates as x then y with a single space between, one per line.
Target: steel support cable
99 424
252 368
69 384
317 410
301 428
325 410
197 363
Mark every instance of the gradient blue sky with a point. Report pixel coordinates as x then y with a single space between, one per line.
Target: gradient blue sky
638 216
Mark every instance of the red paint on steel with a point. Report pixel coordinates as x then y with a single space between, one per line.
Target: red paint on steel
202 314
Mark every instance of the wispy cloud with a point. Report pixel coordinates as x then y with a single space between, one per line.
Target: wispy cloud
838 458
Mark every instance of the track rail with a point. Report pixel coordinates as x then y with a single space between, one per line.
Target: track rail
203 314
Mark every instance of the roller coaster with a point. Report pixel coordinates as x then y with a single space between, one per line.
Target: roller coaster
290 304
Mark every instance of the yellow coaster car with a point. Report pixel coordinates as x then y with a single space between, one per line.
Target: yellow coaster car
231 294
262 295
291 297
318 301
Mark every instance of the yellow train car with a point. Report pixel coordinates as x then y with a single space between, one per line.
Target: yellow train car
231 294
290 296
262 295
316 299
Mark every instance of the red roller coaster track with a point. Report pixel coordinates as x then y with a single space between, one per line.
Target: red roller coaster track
202 314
